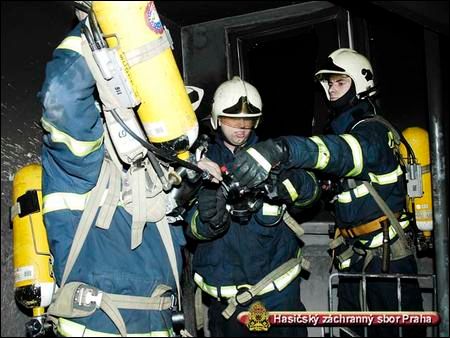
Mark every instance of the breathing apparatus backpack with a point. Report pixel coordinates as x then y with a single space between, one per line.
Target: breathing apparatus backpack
419 199
406 145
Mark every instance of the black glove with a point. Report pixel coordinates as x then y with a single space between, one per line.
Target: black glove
297 187
212 209
252 167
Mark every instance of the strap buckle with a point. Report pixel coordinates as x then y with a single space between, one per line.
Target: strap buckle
87 297
173 302
240 291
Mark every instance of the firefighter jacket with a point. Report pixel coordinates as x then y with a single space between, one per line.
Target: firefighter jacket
360 149
245 253
73 152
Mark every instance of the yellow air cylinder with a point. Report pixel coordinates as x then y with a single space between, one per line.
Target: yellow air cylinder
165 110
419 142
33 277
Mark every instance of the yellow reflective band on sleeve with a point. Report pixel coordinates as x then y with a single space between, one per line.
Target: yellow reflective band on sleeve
260 159
71 201
323 154
194 226
68 328
359 191
388 178
378 239
356 153
63 200
72 43
78 148
270 210
291 190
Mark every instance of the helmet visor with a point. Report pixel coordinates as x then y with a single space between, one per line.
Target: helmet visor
243 106
239 122
329 67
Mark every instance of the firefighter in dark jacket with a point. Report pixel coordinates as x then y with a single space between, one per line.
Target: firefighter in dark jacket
238 245
361 152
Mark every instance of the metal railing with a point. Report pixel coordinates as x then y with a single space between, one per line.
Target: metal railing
364 277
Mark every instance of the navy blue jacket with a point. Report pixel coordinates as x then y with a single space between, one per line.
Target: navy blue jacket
245 253
362 151
72 156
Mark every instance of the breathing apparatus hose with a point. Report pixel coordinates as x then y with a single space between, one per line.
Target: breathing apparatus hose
156 151
82 6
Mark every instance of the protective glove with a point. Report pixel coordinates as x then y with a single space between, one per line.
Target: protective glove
297 187
252 167
212 209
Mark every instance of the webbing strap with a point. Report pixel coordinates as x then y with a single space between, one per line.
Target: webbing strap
109 207
293 224
338 241
198 305
249 294
141 303
166 236
139 205
77 299
387 211
148 50
108 306
348 253
87 218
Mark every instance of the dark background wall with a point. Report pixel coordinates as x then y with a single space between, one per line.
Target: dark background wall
30 31
394 45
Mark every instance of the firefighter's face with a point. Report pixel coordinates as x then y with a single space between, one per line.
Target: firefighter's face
237 132
338 85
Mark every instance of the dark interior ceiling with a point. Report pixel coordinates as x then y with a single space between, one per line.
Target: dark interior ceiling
431 14
185 13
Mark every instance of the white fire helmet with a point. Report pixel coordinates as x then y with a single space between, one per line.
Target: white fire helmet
236 98
348 62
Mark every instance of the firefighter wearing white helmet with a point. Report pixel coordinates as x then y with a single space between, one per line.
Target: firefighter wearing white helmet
348 62
229 231
236 98
361 152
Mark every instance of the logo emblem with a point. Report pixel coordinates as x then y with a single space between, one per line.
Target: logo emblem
258 318
152 18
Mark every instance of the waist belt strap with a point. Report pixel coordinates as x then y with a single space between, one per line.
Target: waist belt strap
77 299
365 229
249 294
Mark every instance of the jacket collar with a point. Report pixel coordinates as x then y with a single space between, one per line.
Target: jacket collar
344 121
